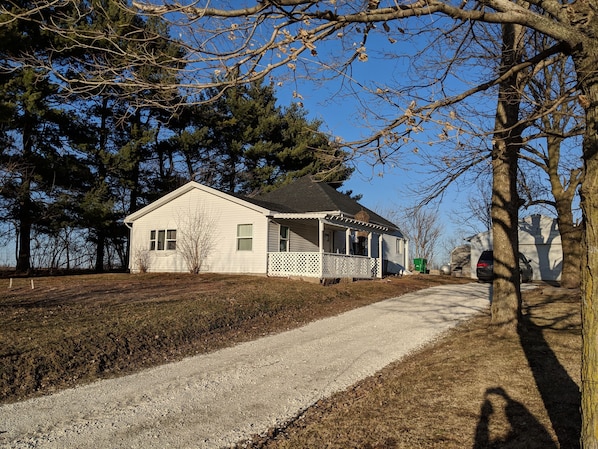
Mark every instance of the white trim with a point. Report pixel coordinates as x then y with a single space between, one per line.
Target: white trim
380 255
356 224
321 236
299 216
348 241
334 218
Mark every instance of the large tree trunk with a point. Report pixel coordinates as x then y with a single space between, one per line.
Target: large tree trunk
24 248
24 201
100 245
589 285
506 298
586 60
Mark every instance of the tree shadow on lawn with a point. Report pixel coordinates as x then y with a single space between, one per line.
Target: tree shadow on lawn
559 392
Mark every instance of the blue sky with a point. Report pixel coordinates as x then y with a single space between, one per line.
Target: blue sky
384 188
387 188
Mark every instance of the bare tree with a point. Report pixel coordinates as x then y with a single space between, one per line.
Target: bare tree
423 229
559 122
196 237
474 216
506 143
550 171
143 259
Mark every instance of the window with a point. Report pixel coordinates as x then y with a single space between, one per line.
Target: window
284 239
163 239
244 237
400 244
171 239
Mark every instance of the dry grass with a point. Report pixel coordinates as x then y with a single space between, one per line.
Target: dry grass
75 329
471 389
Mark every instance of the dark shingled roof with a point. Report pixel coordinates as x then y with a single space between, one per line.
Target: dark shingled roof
307 195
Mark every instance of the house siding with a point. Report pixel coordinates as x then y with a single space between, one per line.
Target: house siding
225 216
540 242
304 235
273 236
395 262
375 252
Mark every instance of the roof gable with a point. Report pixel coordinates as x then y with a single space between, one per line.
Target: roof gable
188 187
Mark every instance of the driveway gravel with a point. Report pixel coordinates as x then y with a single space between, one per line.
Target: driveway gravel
218 399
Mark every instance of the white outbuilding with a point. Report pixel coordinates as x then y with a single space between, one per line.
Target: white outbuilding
539 242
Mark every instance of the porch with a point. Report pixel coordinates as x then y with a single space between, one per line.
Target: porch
322 265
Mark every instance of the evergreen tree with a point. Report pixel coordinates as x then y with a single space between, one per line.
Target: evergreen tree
123 132
241 141
32 153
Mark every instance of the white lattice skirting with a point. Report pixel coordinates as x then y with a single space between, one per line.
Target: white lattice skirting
321 265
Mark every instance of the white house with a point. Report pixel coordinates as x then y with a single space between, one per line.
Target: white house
304 229
539 242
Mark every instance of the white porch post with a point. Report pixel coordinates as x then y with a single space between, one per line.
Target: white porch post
321 246
380 255
321 235
369 244
347 241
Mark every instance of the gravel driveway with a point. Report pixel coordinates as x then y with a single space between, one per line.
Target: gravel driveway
215 400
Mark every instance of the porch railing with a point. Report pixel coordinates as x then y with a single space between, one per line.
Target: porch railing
321 265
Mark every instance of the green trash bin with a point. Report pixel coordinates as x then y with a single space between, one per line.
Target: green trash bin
420 265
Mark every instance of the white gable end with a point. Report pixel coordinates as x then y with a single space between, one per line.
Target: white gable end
223 212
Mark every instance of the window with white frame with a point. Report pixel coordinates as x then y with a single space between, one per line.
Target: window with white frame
244 237
284 239
163 239
400 246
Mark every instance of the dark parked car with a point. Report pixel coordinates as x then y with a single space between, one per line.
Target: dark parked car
485 267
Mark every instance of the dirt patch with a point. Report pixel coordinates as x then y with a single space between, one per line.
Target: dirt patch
472 388
71 330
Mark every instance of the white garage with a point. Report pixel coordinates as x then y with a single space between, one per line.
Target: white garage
539 241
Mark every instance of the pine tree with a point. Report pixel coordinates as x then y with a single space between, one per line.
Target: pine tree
122 132
32 128
242 141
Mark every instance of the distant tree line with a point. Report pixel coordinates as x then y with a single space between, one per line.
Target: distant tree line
74 163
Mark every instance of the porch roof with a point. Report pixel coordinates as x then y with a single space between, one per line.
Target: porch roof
335 218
